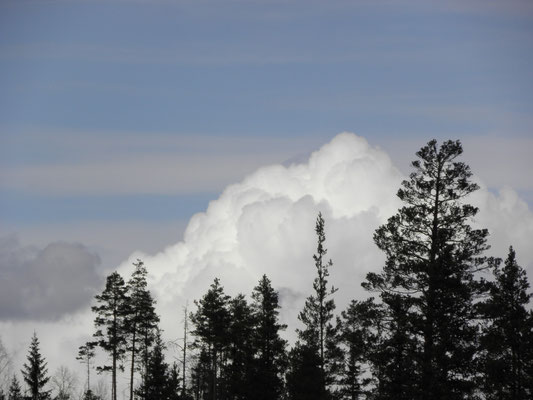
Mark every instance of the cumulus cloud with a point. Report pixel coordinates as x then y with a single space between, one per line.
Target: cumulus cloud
45 284
265 224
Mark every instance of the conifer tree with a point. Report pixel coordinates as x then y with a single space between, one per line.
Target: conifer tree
237 371
111 313
175 384
15 392
271 358
432 256
85 354
319 333
35 372
211 321
156 385
358 340
141 320
508 334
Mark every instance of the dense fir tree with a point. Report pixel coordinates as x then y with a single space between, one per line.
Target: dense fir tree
15 392
211 322
201 372
175 384
271 358
110 316
35 372
141 320
237 371
432 256
358 340
85 355
319 333
156 384
508 334
304 376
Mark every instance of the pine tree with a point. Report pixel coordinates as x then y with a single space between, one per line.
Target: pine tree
211 322
141 320
85 354
110 317
15 393
271 357
358 340
35 372
432 256
508 335
319 333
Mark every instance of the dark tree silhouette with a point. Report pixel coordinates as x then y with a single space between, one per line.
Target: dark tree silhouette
269 347
110 316
508 334
359 342
35 372
432 256
319 333
15 392
85 355
211 322
141 321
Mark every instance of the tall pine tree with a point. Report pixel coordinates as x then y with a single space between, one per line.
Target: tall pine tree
507 335
320 334
141 321
111 313
35 372
432 257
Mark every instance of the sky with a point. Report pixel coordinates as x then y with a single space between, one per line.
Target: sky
204 137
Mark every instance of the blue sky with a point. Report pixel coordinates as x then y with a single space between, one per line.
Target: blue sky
118 111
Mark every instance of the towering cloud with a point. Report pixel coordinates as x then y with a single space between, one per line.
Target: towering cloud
265 224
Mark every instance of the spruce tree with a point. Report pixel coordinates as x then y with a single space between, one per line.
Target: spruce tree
320 333
211 321
432 257
237 371
111 313
507 335
155 385
271 358
35 372
15 393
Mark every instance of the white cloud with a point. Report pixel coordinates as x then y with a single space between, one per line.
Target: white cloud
265 224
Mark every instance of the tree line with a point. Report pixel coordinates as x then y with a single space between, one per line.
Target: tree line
441 321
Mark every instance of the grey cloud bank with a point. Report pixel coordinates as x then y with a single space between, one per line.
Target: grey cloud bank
45 284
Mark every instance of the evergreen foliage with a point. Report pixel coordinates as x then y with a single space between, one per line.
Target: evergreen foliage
140 321
319 333
508 334
85 354
110 317
358 341
269 347
211 322
15 392
35 372
432 256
